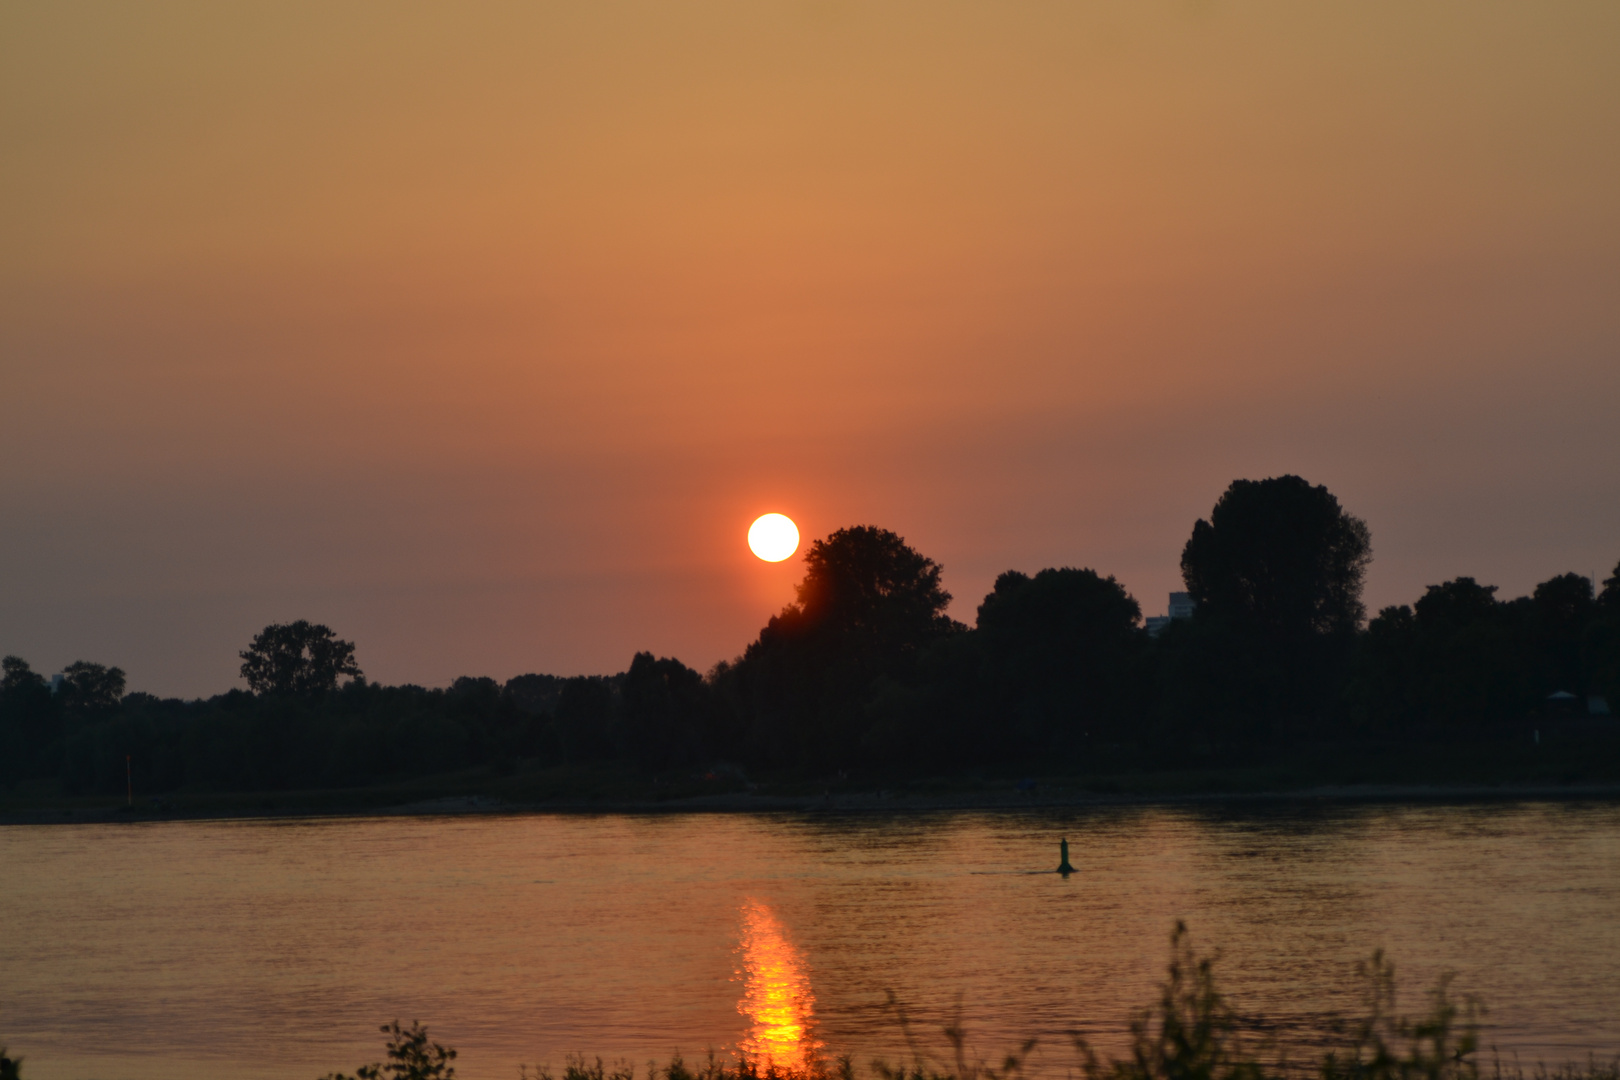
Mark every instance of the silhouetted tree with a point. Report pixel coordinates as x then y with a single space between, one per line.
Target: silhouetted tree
1277 573
534 694
1055 661
299 658
497 730
1064 650
868 603
1382 694
1564 609
665 706
1279 556
18 674
89 690
1455 605
1475 664
585 717
1609 598
1603 643
866 583
30 719
1458 660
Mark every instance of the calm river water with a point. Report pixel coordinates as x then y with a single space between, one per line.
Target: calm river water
275 948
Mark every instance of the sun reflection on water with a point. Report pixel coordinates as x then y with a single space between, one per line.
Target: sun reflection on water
777 998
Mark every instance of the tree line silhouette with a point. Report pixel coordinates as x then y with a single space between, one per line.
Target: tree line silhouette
865 670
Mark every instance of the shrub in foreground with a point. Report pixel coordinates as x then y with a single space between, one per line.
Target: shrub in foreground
411 1056
1190 1033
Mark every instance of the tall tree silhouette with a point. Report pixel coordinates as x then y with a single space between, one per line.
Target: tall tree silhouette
867 604
1064 647
1277 573
1281 557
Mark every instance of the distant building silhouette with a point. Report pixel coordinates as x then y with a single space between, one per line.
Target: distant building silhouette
1182 606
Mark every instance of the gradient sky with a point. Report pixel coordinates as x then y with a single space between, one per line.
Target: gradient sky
481 333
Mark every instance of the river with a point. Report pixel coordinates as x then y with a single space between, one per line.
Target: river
274 948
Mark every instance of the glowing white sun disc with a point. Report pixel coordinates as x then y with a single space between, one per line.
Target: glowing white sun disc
773 537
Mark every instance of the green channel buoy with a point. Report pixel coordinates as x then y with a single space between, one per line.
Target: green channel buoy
1063 863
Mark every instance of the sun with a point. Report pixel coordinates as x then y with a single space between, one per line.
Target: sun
773 537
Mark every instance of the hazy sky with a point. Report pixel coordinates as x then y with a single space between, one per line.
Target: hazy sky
481 333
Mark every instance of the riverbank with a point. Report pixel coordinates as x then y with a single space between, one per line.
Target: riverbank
1567 767
585 790
875 802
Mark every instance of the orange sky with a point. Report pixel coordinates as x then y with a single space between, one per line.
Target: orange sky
482 334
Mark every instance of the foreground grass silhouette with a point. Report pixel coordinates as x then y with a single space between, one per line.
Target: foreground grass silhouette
1190 1033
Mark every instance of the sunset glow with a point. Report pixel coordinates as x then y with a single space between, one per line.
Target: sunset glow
777 997
410 323
625 531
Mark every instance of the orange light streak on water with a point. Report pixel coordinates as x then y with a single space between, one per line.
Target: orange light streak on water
777 998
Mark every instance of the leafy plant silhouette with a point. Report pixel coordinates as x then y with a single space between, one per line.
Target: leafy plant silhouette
411 1056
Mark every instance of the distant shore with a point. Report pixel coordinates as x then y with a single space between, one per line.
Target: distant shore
204 807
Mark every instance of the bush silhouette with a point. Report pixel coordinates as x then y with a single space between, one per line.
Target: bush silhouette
411 1056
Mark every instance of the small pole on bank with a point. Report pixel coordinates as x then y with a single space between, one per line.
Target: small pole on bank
1063 863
